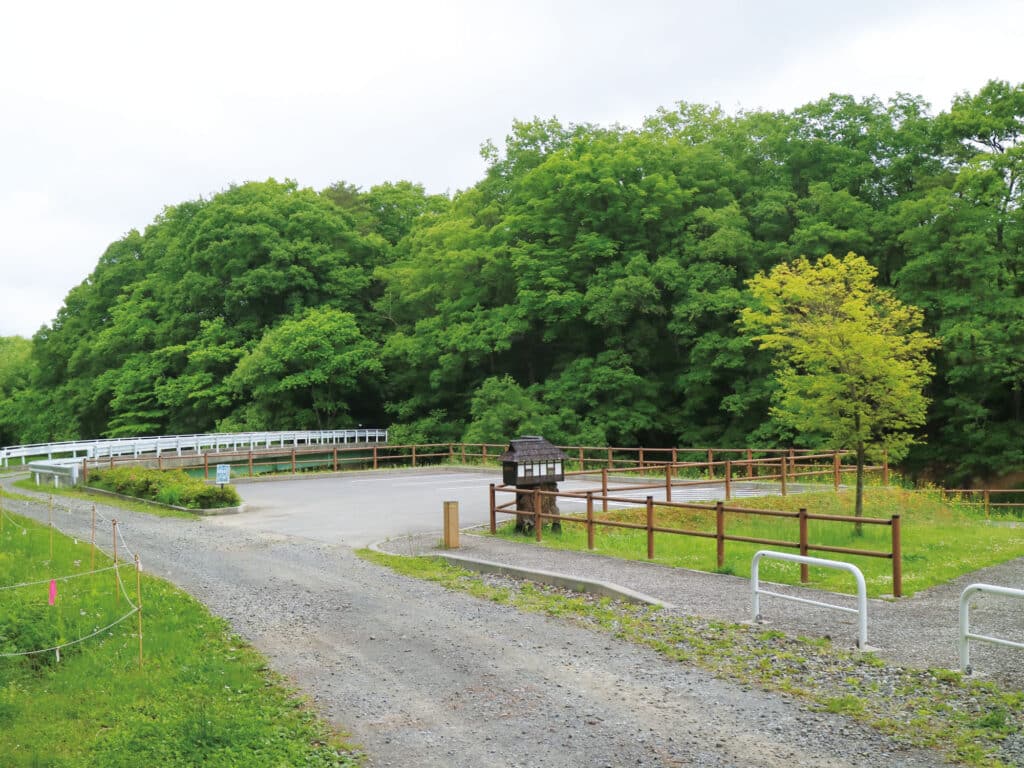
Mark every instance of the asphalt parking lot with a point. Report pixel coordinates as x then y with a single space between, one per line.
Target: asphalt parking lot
361 508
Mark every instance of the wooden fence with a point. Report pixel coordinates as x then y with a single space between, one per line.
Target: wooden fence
720 536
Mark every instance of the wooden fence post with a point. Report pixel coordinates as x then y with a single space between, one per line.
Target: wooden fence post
494 514
582 466
609 458
720 533
641 455
537 520
897 558
792 464
988 500
782 474
835 470
414 455
294 470
668 482
804 573
462 450
206 466
590 520
483 454
604 489
375 457
728 480
750 467
335 457
650 527
711 466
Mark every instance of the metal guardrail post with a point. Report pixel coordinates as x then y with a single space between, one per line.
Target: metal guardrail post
862 600
965 622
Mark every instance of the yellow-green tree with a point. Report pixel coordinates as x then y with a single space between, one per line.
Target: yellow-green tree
851 360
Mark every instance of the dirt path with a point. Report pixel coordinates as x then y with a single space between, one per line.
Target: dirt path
423 676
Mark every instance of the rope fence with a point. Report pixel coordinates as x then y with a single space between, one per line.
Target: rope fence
121 590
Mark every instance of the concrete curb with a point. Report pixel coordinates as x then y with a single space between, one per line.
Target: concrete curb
560 580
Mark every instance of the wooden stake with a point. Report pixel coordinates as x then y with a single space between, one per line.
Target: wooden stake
117 592
138 598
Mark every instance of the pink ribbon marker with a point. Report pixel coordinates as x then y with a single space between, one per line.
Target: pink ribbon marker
53 591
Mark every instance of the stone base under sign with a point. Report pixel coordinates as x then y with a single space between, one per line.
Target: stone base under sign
548 506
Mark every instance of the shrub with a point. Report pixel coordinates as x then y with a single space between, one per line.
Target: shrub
172 487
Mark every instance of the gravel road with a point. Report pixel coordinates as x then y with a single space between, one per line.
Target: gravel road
423 676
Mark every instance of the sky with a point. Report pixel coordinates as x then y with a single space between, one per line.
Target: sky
110 111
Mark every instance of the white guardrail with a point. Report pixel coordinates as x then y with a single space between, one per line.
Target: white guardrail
862 593
965 621
177 444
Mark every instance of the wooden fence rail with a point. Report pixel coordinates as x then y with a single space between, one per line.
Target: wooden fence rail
720 536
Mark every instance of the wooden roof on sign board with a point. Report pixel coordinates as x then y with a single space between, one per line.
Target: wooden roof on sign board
532 448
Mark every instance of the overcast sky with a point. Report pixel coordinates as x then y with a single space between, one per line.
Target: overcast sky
113 110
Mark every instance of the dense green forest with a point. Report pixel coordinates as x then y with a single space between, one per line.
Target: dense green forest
587 288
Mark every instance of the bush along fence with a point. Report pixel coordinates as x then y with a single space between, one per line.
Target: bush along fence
79 607
721 512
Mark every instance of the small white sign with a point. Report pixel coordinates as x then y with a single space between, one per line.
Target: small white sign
223 474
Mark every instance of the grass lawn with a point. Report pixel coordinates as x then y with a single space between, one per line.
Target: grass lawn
941 540
202 696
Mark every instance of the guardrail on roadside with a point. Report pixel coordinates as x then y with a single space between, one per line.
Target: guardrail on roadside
177 444
67 469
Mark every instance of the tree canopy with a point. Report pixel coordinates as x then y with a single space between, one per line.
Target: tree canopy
587 287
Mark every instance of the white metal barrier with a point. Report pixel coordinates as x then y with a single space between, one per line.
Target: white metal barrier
138 446
68 470
862 593
965 623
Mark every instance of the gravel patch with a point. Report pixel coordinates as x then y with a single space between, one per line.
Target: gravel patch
427 676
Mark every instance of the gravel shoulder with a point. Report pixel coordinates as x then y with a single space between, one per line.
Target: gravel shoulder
421 675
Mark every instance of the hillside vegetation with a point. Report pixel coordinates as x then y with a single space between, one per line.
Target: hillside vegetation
586 288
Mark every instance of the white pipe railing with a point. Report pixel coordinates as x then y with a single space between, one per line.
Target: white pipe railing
157 445
965 621
862 593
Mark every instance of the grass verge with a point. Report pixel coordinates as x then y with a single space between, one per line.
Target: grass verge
202 697
970 721
941 539
111 501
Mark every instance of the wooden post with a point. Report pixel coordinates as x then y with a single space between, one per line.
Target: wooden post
711 464
462 450
494 514
609 458
782 474
451 452
650 527
885 470
792 464
804 574
138 602
92 541
590 520
728 480
414 455
159 462
897 558
252 469
604 489
293 461
582 465
451 525
206 466
483 454
537 521
988 499
668 482
641 458
375 457
835 470
117 580
720 533
335 458
750 467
